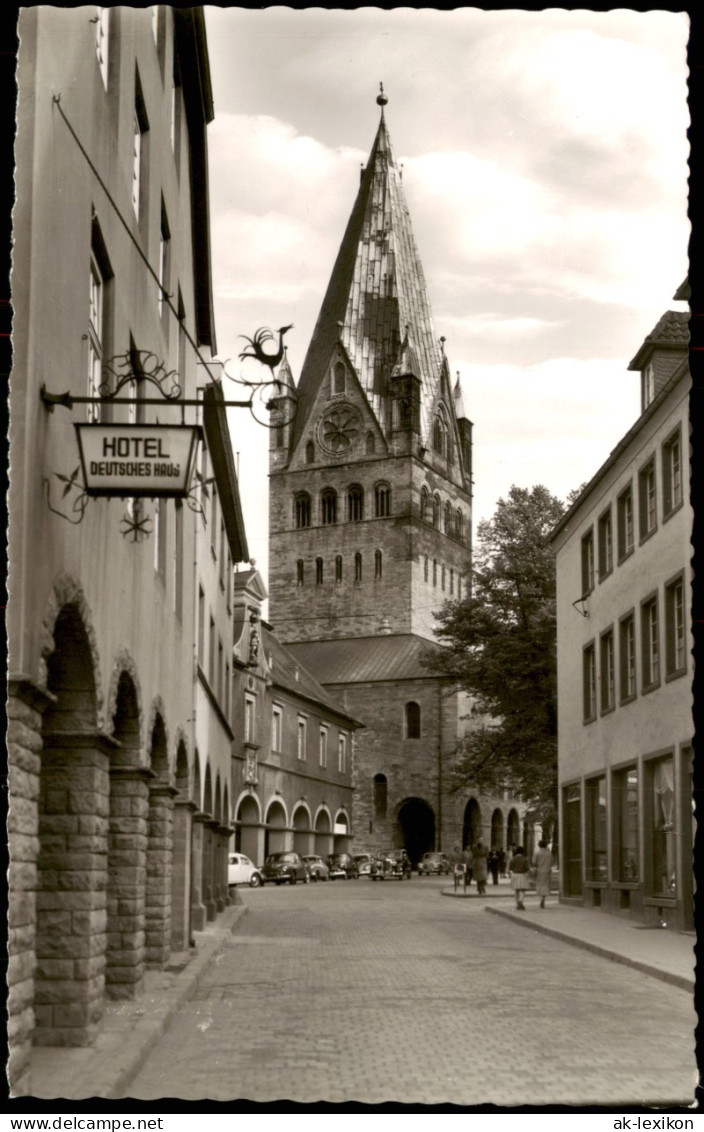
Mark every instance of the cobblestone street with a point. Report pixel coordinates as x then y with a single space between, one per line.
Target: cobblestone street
375 993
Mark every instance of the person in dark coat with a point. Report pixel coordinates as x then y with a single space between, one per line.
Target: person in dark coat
481 854
494 864
520 868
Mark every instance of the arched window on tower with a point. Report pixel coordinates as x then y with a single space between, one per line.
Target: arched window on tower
355 503
436 510
425 509
377 563
382 500
448 518
310 452
338 568
302 503
459 524
328 507
412 720
300 572
380 789
370 444
440 432
358 567
338 378
318 571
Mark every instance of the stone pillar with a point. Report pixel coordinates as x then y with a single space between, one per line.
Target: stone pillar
209 868
25 705
159 849
198 909
71 891
222 842
127 881
181 884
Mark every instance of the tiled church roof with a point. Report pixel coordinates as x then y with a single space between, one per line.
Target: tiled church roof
366 659
377 290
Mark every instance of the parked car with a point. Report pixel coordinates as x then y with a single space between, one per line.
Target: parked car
317 869
240 870
363 862
284 868
434 864
392 865
342 866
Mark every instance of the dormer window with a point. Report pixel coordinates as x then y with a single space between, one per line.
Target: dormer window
647 385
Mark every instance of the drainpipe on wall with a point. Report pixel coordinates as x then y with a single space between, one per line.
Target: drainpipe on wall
439 825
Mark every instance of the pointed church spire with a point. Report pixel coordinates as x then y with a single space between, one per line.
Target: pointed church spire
377 288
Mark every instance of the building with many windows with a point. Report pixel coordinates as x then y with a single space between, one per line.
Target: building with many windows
112 304
624 658
293 744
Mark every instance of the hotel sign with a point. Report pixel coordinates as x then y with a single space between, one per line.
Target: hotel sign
137 459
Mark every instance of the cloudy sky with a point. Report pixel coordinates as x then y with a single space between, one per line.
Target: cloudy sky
544 159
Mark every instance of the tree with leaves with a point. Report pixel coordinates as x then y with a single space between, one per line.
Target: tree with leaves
501 648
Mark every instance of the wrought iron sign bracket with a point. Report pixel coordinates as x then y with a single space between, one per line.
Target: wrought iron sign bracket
132 370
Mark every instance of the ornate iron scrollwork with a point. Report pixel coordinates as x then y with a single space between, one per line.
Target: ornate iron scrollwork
78 503
137 366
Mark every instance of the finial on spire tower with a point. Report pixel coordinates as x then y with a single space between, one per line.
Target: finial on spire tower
381 98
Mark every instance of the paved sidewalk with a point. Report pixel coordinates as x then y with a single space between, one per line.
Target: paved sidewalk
666 955
130 1030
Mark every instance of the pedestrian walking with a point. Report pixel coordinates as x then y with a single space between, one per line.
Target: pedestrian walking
481 854
542 863
502 862
519 875
494 862
457 866
468 858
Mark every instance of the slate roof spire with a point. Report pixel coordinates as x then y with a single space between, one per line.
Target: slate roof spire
376 290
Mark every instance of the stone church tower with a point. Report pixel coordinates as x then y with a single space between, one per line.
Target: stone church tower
370 521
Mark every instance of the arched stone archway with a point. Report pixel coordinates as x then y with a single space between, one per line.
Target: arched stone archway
127 849
249 835
472 823
209 823
513 830
415 828
74 804
323 834
182 856
302 832
341 833
199 913
497 829
159 849
275 832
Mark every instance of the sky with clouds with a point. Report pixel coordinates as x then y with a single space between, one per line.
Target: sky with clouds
545 169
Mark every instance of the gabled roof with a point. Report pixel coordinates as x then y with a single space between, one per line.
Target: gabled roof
366 659
671 332
377 291
289 673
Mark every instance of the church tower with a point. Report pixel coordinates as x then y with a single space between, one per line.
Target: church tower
370 512
370 521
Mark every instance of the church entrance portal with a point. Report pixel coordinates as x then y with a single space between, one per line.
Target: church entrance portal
416 828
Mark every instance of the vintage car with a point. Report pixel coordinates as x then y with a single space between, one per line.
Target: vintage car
317 869
434 864
240 870
363 862
394 865
284 868
342 867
